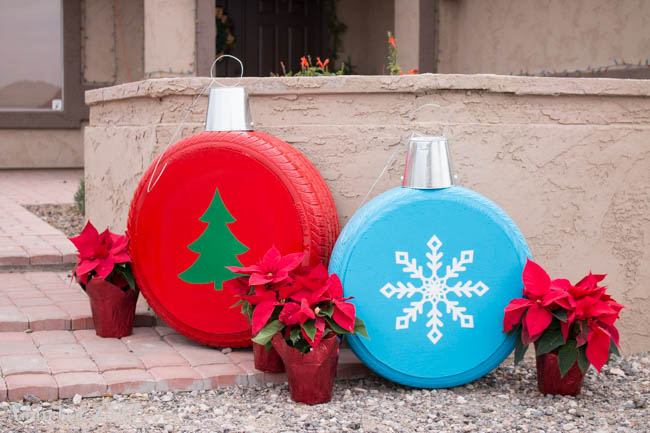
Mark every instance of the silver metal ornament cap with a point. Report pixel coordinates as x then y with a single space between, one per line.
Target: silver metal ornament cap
428 164
228 110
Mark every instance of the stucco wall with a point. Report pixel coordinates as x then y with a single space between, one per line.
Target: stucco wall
504 36
568 159
41 148
103 63
365 40
169 37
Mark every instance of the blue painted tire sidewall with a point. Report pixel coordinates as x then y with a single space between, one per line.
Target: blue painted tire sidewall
404 220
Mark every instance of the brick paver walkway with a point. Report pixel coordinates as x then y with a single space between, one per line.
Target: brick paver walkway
60 364
25 239
48 346
63 356
50 301
40 186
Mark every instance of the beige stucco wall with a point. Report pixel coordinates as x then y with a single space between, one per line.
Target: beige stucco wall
104 62
105 59
504 36
169 37
568 159
41 148
365 40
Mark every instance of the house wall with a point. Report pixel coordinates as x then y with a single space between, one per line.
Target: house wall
169 37
509 36
105 62
365 40
568 159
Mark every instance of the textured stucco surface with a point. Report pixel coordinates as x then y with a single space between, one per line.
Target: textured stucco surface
568 159
506 36
41 148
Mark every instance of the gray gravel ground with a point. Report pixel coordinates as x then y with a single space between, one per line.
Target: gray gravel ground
65 217
505 400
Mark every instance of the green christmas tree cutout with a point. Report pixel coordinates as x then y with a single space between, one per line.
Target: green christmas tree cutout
217 247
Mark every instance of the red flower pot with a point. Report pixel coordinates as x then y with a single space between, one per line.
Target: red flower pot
549 380
267 360
311 375
113 309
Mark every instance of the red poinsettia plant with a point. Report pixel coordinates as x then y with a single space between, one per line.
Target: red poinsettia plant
576 320
304 303
103 256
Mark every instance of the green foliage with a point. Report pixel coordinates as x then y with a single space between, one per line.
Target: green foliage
393 67
583 362
551 339
520 350
567 356
309 69
124 271
267 333
80 197
360 327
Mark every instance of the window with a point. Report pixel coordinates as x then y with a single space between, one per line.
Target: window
40 80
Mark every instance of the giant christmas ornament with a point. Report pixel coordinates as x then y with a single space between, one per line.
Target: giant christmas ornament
431 266
223 198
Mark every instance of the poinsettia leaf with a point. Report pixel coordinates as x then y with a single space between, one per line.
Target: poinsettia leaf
127 275
262 314
295 334
335 327
567 356
240 302
613 349
326 312
515 330
560 313
520 350
360 327
302 345
583 362
550 340
310 328
266 334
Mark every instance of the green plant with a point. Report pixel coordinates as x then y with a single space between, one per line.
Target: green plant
308 69
103 256
303 303
576 320
393 67
80 197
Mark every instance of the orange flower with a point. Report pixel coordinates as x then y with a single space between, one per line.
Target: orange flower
391 40
321 64
413 72
304 62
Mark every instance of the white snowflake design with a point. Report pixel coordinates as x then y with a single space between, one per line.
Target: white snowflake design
434 289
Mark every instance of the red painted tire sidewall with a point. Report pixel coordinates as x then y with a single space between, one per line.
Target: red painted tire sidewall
272 191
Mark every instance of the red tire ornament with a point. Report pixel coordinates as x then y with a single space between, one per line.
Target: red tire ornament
224 199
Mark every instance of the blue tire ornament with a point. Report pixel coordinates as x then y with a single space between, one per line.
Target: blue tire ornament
431 271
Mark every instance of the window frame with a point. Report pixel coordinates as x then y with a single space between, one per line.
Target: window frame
74 108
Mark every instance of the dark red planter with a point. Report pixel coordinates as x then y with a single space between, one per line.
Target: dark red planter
267 360
113 309
311 375
549 380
